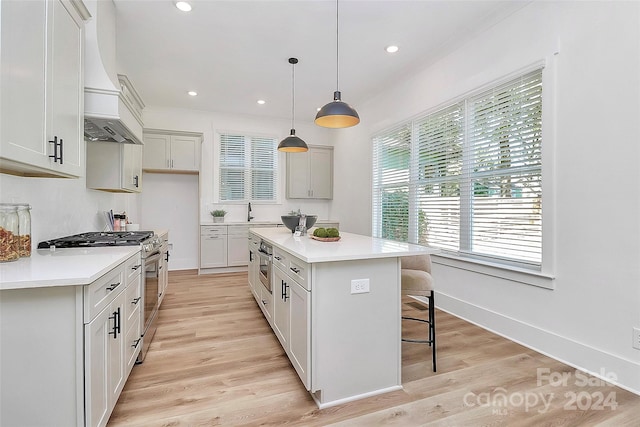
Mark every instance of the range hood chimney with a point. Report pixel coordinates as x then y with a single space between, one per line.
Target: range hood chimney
112 107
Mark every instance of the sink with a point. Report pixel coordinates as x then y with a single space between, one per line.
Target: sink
292 221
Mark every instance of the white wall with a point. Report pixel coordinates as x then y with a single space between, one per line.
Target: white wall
174 192
61 207
591 154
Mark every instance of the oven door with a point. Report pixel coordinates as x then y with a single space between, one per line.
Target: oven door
151 276
265 270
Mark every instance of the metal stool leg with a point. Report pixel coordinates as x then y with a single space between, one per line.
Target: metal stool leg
432 328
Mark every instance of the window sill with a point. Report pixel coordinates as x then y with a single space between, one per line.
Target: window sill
515 274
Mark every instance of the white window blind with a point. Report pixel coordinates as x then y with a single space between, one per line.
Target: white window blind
248 168
467 178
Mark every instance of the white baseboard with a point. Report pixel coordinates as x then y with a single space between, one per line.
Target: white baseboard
580 356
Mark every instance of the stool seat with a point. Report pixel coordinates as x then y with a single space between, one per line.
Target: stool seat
416 282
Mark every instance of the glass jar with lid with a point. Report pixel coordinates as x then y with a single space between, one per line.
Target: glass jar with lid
24 229
9 232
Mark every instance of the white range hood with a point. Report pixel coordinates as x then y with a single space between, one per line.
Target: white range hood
112 107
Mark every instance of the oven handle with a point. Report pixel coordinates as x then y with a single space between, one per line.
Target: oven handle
263 254
155 256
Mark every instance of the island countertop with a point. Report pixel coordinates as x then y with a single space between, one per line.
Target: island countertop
349 247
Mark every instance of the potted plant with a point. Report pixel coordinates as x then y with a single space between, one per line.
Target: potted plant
218 215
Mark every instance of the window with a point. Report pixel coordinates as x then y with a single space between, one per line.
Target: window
467 178
248 168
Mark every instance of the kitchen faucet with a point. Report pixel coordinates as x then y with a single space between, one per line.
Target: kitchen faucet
249 217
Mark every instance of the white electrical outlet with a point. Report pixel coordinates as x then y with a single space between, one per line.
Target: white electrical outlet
636 337
359 286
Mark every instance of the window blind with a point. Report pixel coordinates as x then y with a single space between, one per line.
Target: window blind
467 178
248 168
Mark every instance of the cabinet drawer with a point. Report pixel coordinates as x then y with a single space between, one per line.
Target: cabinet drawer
133 301
213 230
100 293
281 259
299 271
132 268
238 230
133 342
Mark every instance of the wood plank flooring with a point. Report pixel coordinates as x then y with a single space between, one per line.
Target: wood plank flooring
215 362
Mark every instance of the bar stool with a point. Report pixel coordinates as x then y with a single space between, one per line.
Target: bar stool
416 280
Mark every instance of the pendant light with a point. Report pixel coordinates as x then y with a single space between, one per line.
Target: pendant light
293 144
337 114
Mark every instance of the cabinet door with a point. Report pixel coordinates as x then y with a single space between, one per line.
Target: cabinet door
298 175
157 151
116 351
321 173
299 338
185 153
213 251
65 117
23 47
41 88
96 368
163 280
237 252
281 294
132 167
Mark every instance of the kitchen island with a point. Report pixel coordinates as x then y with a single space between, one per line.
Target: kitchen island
335 307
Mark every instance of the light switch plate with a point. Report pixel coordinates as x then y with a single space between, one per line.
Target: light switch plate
359 286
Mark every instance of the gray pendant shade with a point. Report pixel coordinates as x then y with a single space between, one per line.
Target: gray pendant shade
293 144
337 114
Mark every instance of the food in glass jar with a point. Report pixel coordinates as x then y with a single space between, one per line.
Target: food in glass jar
24 245
8 246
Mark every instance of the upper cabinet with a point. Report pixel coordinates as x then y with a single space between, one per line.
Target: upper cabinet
115 167
41 88
310 174
171 151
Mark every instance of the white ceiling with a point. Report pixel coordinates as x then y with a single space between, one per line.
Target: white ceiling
235 52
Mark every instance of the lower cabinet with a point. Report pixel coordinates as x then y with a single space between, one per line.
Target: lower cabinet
104 362
292 322
213 246
112 339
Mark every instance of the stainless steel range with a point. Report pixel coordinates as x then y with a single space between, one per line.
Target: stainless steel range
150 246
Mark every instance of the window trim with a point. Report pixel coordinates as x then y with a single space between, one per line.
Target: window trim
542 276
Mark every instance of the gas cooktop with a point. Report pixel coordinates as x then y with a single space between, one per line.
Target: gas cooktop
99 238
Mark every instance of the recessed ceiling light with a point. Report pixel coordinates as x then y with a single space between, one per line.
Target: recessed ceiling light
193 93
183 6
391 49
261 101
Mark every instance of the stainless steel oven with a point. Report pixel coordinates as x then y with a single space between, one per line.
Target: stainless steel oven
151 282
264 257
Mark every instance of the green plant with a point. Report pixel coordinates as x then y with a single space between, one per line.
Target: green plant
218 212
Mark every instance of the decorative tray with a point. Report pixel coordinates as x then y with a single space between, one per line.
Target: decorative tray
325 239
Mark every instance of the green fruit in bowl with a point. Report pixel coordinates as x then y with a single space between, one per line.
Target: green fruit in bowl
320 232
333 232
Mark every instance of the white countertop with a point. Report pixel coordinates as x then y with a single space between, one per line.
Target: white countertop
261 223
349 247
62 267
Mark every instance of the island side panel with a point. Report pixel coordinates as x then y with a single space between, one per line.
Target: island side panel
356 341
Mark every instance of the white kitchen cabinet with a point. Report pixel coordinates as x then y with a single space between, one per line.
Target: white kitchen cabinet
42 109
291 319
213 246
237 238
254 266
166 151
310 174
114 167
105 361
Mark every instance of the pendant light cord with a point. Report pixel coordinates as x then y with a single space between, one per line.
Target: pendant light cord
337 48
293 95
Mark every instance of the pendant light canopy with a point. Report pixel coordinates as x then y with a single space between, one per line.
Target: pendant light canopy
293 144
337 114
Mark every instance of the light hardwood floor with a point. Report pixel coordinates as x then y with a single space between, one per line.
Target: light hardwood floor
215 361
